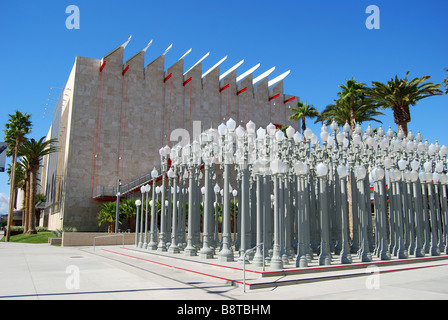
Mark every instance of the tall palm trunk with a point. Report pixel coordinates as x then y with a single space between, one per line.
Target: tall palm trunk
32 203
12 193
402 115
26 192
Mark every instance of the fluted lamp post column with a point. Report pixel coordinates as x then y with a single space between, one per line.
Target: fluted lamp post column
346 257
152 245
138 203
164 153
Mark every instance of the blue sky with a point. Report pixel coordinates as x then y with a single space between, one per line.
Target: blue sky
322 42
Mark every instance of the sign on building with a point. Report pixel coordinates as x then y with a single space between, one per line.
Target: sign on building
2 156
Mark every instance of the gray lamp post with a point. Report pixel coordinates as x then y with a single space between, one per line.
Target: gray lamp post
346 258
226 132
173 248
146 189
137 204
276 260
142 191
190 250
152 234
325 254
301 170
164 153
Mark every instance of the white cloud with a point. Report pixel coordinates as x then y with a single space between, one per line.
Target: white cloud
4 199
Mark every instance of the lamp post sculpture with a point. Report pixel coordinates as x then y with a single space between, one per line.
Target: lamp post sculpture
208 156
226 133
138 203
164 154
146 189
152 245
176 160
142 191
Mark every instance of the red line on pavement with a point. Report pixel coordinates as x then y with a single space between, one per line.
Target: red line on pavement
179 268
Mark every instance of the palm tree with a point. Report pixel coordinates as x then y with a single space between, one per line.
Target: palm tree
353 93
304 110
340 112
16 128
107 214
445 82
34 151
399 94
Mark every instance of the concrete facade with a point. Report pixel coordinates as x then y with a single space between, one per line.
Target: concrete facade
113 117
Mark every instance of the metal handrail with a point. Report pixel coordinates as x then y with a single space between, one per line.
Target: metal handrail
244 263
112 235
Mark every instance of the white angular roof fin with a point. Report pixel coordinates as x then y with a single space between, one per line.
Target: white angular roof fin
126 43
214 67
225 74
200 60
279 78
263 75
248 72
167 49
185 54
146 48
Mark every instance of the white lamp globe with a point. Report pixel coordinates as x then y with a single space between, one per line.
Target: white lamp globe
240 132
313 139
271 129
290 132
261 133
298 137
436 177
360 172
235 192
427 166
216 188
379 173
340 137
388 163
250 127
415 165
138 203
402 164
222 129
308 133
342 171
322 170
154 173
413 176
439 167
422 177
443 178
231 125
279 135
324 136
167 150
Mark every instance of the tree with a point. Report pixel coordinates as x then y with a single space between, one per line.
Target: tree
303 111
445 81
107 215
34 151
17 127
353 94
340 112
399 94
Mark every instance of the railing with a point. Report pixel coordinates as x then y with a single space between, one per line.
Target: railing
108 236
244 263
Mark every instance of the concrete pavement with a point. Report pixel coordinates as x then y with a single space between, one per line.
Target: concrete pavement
40 271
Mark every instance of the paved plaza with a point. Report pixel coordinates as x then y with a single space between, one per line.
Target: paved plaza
44 272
